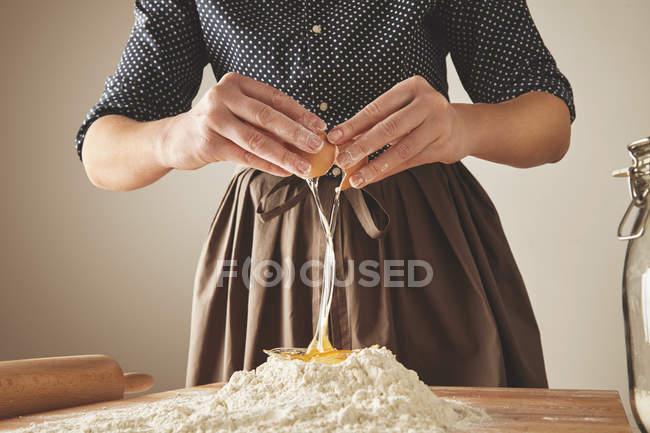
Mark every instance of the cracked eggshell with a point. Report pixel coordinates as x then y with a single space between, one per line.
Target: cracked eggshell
345 183
322 160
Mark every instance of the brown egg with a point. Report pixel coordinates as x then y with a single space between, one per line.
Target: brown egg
321 161
345 183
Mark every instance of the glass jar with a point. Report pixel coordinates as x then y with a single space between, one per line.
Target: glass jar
636 280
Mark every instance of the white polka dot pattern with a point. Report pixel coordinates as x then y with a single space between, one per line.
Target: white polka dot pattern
334 57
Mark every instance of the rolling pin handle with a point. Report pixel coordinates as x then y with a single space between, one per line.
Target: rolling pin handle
137 382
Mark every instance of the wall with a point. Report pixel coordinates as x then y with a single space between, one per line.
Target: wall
84 270
561 219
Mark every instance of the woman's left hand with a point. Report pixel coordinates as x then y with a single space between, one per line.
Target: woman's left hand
419 123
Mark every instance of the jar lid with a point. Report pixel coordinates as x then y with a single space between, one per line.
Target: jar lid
640 151
639 185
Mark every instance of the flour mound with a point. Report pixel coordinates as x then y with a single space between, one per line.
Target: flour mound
370 391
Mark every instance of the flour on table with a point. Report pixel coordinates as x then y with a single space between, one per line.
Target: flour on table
370 391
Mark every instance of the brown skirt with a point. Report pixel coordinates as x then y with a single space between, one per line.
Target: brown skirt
424 265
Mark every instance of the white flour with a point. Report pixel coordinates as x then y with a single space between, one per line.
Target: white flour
370 391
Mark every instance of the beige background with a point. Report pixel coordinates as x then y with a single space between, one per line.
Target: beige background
84 270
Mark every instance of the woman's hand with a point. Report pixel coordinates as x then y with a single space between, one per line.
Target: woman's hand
418 122
244 121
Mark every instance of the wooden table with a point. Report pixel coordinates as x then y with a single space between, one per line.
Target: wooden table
512 410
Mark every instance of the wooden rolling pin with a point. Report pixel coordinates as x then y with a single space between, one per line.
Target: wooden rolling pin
41 384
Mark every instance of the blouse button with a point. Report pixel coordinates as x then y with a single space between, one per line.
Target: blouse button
317 29
323 106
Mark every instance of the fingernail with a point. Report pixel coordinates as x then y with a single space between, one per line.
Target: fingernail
314 142
318 124
344 159
304 167
335 135
356 180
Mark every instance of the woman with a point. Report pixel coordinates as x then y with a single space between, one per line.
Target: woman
373 74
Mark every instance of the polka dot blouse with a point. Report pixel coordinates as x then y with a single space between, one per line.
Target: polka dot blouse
334 57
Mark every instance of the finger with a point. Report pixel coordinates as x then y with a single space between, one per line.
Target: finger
254 140
265 117
218 148
347 173
386 104
229 151
400 156
386 131
283 103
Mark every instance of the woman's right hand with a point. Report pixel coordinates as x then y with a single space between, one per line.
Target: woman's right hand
244 121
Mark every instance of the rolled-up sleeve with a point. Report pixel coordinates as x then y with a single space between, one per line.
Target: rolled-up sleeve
498 51
161 67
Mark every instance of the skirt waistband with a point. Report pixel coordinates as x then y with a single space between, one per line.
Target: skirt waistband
271 205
